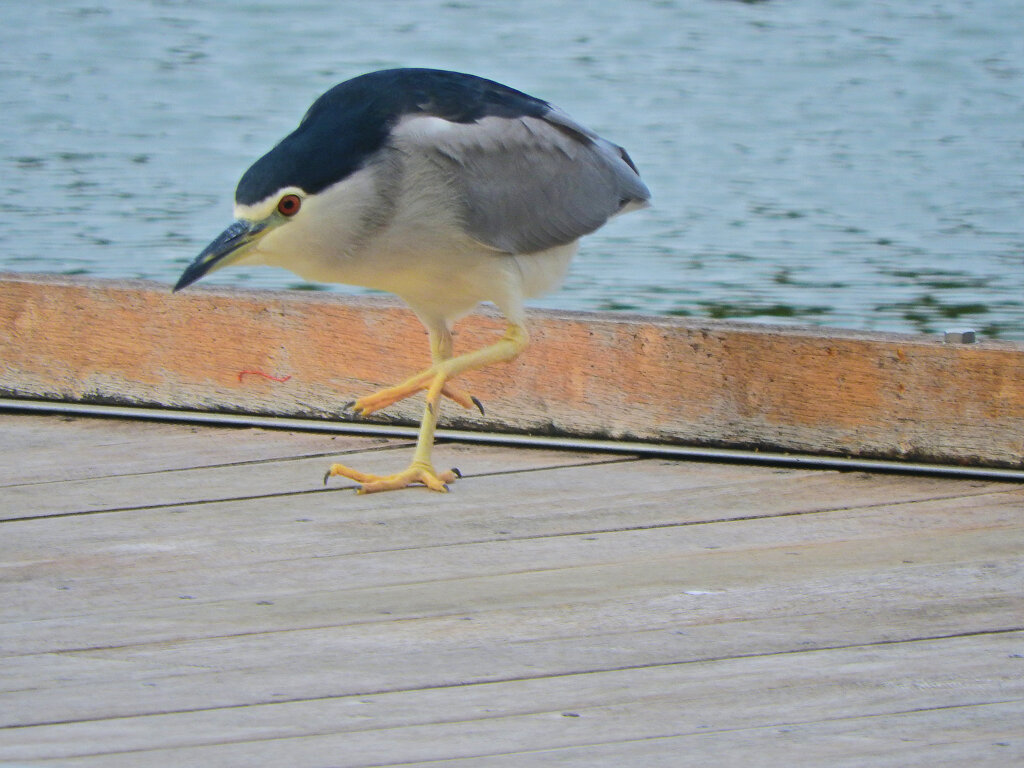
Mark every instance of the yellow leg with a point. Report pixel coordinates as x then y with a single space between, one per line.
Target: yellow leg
435 380
511 344
441 349
421 470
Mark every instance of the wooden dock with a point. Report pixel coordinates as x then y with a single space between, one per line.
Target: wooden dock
175 595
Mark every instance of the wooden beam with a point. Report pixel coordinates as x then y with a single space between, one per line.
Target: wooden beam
612 376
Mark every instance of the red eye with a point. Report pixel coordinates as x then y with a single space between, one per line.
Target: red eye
289 205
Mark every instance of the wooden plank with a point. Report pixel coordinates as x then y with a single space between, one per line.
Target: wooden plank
985 735
263 478
531 715
38 448
304 476
662 379
104 561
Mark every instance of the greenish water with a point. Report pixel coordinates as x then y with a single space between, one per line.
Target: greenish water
856 164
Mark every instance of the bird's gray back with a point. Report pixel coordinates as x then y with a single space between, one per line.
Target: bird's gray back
527 184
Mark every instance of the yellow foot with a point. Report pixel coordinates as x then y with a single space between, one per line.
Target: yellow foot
423 474
368 404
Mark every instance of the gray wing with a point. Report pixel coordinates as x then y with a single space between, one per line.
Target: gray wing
528 184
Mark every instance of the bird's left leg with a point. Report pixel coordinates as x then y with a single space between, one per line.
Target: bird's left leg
511 344
441 349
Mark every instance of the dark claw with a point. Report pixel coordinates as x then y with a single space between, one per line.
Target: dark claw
327 476
456 471
478 404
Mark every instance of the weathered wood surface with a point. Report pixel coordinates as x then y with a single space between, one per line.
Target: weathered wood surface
670 380
180 596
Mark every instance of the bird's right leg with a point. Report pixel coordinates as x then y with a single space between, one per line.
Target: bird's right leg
507 348
441 349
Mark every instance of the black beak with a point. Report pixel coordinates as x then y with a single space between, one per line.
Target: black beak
218 254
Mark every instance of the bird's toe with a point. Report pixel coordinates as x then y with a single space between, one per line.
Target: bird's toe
416 474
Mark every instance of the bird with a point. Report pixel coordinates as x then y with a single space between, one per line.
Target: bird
444 188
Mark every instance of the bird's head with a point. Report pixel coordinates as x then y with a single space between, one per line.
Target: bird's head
305 189
253 223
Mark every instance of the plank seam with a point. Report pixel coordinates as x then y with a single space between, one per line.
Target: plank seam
543 750
590 532
521 678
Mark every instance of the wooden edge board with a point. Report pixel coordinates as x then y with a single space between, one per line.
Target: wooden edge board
602 376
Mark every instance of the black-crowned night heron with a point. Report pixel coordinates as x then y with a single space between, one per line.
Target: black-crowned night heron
443 188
